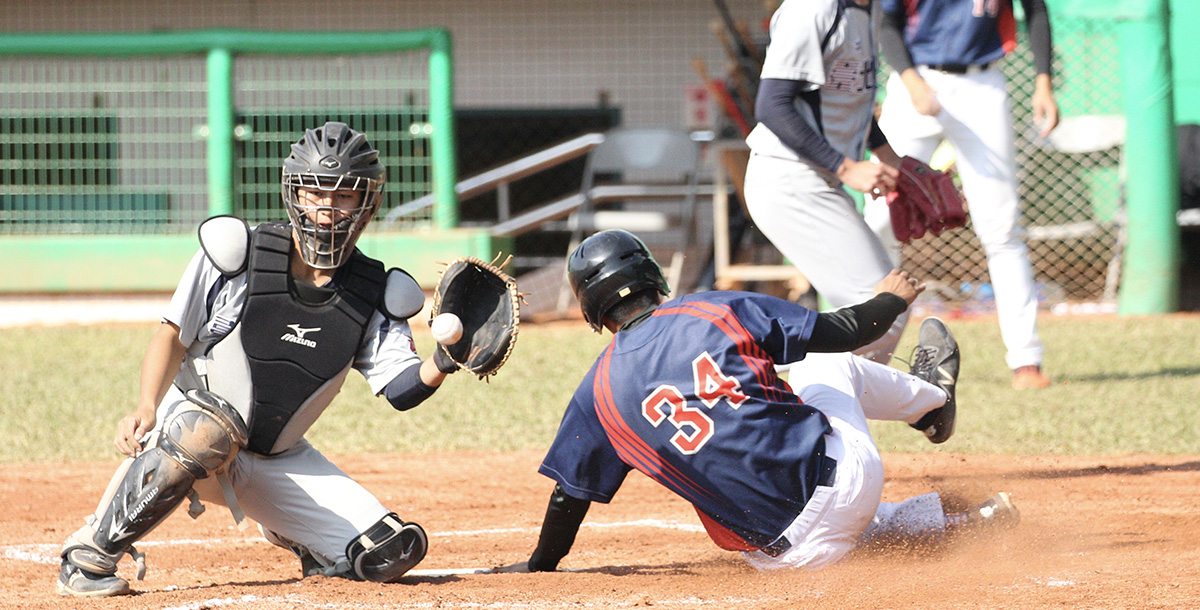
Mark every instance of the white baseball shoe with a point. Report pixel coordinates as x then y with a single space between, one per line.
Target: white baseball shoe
996 511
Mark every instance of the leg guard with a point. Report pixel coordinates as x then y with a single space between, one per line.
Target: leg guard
387 550
199 438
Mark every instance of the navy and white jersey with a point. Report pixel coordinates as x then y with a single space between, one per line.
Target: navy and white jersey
956 32
828 44
690 397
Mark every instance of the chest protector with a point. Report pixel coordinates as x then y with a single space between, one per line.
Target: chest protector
296 353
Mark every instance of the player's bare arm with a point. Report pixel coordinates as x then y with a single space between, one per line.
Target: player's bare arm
891 40
161 362
1045 109
924 97
887 156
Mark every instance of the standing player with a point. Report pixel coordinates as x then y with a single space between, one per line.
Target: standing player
259 336
947 85
687 394
815 109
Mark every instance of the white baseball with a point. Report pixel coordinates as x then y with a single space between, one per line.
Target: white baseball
447 329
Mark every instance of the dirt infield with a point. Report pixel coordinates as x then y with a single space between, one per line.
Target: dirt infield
1099 533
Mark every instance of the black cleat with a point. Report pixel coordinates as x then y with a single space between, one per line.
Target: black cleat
936 360
77 582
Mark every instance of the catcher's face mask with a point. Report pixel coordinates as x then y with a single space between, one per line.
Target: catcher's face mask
329 215
341 179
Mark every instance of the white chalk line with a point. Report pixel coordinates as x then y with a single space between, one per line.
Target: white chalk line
295 601
48 553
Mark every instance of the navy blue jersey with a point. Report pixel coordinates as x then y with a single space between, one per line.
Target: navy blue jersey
690 398
958 32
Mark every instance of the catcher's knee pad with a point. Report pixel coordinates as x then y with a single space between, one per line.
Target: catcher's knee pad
387 550
203 434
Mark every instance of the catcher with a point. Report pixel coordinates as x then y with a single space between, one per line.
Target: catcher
262 331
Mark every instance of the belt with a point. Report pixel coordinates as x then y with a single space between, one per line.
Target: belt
958 68
826 470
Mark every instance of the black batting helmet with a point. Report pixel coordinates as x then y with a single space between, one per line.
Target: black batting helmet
608 267
330 158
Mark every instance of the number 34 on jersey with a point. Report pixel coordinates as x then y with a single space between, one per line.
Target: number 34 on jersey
694 426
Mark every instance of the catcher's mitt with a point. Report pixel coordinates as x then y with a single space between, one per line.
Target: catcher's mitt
486 300
925 200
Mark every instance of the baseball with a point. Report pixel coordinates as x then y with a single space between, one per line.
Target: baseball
446 328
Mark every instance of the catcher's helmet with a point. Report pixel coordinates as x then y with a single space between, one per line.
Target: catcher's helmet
608 267
330 158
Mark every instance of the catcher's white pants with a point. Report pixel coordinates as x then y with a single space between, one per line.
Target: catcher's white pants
810 218
298 494
849 390
977 122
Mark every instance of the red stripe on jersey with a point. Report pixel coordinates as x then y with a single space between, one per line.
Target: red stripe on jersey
1007 24
723 536
914 18
628 445
738 335
624 440
742 339
759 362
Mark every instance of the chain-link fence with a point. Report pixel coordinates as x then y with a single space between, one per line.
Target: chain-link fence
118 145
112 145
101 146
382 95
1070 184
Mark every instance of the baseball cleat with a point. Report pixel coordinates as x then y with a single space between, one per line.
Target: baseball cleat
936 360
1030 378
76 582
997 511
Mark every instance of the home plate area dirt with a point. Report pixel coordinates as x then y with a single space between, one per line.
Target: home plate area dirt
1096 532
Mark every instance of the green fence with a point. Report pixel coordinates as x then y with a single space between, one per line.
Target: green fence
106 139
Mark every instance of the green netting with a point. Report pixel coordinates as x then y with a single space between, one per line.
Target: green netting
1070 185
100 146
384 96
90 146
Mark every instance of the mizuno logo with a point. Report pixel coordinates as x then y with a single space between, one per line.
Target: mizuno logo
298 336
300 331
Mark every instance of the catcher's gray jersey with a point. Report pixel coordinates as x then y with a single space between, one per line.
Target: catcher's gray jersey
832 49
206 306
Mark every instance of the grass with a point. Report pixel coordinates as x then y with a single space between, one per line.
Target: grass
1122 386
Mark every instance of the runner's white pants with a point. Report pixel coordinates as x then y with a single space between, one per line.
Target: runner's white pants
977 122
849 390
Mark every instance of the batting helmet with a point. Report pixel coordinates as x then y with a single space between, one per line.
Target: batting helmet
608 267
329 158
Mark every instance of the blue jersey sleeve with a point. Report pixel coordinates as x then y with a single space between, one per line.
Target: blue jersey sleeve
582 459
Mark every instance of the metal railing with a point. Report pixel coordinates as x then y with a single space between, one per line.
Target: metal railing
499 178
